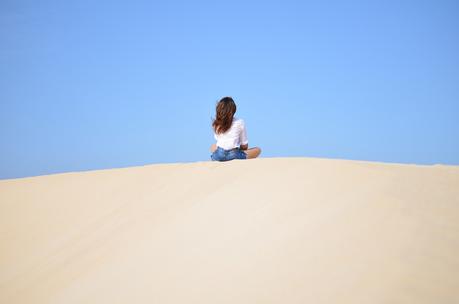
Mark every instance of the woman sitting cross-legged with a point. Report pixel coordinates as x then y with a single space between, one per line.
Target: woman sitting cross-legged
230 133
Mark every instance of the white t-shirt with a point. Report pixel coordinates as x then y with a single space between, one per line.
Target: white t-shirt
234 136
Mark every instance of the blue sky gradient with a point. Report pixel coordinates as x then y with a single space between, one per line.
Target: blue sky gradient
96 84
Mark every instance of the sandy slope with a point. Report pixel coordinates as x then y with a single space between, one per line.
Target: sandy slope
272 230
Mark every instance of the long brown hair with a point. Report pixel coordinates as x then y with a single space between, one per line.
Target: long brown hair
225 110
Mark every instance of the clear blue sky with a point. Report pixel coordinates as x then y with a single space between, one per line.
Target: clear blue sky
97 84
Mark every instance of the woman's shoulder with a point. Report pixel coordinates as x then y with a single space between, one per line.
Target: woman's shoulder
237 120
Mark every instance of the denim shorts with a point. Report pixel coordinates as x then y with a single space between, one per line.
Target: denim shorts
224 155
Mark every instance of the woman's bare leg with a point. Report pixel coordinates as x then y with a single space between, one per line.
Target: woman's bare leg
253 152
213 148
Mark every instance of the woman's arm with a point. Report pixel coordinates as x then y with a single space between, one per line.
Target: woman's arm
243 137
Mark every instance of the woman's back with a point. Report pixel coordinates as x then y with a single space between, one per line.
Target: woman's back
234 137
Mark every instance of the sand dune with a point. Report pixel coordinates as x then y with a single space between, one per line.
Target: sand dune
270 230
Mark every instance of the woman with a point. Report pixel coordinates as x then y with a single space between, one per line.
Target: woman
229 131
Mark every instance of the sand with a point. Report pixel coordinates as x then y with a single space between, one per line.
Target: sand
269 230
